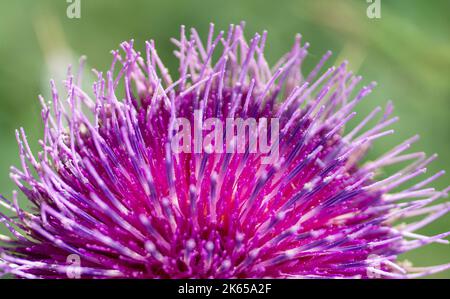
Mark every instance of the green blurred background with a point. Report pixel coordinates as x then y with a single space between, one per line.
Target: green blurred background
407 51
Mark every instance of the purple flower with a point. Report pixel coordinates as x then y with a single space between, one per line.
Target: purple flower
111 197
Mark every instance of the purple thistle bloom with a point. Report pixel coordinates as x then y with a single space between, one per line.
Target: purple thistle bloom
109 192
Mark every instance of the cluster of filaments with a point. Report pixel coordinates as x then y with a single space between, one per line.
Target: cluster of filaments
108 188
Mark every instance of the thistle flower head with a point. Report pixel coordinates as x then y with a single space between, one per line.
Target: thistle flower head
112 197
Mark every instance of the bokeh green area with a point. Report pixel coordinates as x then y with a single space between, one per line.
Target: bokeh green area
407 51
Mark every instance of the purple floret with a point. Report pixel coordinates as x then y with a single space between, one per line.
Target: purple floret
108 191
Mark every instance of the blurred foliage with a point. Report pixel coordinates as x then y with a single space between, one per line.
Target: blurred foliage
407 52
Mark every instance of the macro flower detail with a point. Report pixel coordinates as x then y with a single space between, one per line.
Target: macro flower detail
108 187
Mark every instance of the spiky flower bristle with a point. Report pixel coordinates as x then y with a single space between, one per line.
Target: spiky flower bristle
109 192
